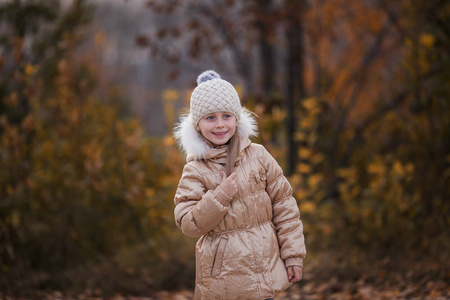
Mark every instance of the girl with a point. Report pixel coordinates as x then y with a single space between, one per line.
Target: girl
234 196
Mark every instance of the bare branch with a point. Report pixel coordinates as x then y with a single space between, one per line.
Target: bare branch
377 115
242 63
358 77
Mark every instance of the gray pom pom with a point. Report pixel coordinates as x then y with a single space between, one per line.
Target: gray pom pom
207 75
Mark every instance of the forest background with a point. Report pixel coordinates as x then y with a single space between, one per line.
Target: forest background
353 99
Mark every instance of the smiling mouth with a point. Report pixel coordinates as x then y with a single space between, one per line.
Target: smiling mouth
220 133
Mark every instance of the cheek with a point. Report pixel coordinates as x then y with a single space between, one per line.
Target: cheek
233 126
203 126
206 130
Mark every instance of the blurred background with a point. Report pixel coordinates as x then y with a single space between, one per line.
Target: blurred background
353 99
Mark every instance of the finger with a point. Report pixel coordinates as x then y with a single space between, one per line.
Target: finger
224 176
298 274
289 270
293 277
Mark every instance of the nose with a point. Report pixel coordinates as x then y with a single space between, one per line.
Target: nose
219 123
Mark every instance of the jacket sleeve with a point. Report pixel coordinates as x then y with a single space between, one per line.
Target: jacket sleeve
197 210
286 216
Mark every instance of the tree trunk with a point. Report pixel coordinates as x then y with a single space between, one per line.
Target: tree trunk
295 86
266 26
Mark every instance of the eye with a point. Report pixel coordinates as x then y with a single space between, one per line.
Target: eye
226 116
209 118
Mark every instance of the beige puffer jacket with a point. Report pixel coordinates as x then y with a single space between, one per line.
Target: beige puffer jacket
246 242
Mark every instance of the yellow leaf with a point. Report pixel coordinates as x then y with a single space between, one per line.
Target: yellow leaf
355 192
278 114
305 123
307 207
30 69
295 179
342 187
376 168
169 141
238 89
149 192
259 109
427 40
304 168
314 180
170 95
312 138
301 194
304 153
300 136
315 111
398 168
47 147
318 158
309 103
342 172
349 174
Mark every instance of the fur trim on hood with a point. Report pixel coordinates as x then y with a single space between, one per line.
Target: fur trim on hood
192 142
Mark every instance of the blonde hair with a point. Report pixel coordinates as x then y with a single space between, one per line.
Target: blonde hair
233 152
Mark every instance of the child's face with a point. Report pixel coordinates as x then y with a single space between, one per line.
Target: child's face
218 127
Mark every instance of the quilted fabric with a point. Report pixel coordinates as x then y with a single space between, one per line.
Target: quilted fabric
246 242
212 96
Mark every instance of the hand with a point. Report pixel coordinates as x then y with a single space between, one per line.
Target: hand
294 273
229 184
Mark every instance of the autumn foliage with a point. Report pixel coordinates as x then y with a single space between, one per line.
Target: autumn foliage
87 195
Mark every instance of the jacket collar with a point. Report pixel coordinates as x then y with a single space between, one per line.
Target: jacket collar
220 155
194 145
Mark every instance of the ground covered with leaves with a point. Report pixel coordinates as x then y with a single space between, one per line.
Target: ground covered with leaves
382 283
333 289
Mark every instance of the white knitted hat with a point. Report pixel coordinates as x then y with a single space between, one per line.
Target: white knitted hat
213 94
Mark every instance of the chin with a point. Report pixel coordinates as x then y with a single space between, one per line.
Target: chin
220 142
